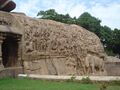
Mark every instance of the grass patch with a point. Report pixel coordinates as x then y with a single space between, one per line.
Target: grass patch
30 84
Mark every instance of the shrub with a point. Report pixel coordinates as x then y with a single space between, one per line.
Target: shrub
86 80
72 79
103 86
115 82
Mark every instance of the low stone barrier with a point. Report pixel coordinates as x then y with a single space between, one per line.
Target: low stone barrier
10 72
112 68
54 77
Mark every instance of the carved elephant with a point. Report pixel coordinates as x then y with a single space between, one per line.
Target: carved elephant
94 64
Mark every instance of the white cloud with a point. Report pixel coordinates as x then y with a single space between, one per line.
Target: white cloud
77 10
59 5
28 7
65 6
107 11
109 14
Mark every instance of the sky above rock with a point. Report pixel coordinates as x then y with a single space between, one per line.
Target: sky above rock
106 10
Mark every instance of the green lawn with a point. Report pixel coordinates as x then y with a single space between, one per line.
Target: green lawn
26 84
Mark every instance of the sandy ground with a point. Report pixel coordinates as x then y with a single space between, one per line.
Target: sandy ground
54 77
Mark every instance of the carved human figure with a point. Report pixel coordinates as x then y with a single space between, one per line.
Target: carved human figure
71 65
29 47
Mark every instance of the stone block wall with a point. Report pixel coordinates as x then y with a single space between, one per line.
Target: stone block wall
112 68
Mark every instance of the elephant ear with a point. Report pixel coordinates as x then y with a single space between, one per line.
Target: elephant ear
7 5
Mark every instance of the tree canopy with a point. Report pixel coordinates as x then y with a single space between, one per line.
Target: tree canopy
53 15
89 22
109 37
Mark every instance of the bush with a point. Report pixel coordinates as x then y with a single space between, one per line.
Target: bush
86 80
115 82
72 79
103 86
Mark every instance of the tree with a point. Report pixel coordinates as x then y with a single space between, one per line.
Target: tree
109 37
106 37
110 40
49 14
53 15
89 22
116 41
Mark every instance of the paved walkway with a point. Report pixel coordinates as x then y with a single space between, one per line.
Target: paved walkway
55 77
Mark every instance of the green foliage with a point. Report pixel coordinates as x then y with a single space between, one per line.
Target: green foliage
89 22
109 37
49 14
86 80
72 78
109 51
25 84
53 15
116 41
103 86
30 84
115 82
106 35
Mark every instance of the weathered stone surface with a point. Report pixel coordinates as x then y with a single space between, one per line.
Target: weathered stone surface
54 48
111 59
112 66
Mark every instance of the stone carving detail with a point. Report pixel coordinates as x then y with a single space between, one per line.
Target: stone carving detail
94 64
5 19
50 47
55 40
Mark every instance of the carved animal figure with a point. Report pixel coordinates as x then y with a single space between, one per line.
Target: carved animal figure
93 64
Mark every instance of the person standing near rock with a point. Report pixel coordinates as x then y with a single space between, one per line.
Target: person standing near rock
7 5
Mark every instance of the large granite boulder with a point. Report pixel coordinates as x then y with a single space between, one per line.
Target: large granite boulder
7 5
54 48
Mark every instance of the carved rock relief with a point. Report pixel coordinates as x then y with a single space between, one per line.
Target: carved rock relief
94 64
45 40
5 19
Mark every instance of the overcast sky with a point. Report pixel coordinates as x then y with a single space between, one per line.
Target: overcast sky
106 10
